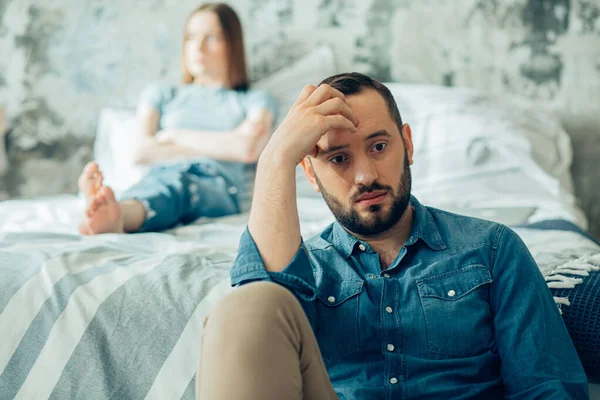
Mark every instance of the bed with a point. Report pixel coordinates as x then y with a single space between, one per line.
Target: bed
120 316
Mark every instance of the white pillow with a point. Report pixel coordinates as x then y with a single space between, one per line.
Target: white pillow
476 150
475 127
285 85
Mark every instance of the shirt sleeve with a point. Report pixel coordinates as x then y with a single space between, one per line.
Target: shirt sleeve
298 276
539 360
156 96
261 100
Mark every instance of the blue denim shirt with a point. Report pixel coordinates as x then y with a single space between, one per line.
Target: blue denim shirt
463 312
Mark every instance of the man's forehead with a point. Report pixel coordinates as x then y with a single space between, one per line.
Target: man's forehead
372 113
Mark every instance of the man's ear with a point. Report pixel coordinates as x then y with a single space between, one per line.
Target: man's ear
309 172
408 143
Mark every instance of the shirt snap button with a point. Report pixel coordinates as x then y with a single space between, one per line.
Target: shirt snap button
389 309
393 381
390 347
451 293
362 247
331 299
386 276
232 190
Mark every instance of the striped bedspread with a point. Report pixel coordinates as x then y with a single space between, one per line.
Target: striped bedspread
120 316
111 317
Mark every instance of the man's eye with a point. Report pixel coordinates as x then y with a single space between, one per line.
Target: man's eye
337 159
379 147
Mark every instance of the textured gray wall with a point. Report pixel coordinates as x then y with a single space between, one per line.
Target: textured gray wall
61 61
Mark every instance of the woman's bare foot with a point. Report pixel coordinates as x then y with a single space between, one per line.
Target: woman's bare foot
103 214
90 181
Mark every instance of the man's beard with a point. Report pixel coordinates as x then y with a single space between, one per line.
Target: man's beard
378 220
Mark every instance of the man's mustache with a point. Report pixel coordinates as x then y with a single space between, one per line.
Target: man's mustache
367 189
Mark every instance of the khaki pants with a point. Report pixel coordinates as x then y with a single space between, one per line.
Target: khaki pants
258 345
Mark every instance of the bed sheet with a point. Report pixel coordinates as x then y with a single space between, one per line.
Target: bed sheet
61 214
105 317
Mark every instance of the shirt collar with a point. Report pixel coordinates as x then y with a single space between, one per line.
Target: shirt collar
424 227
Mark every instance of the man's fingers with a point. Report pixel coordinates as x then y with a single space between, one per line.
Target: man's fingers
338 121
322 94
336 106
305 93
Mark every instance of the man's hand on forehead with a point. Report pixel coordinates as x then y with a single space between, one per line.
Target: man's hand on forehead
322 144
328 99
317 111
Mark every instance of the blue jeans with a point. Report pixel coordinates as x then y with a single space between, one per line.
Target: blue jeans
182 193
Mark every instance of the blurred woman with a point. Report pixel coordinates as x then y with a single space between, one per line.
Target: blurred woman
198 136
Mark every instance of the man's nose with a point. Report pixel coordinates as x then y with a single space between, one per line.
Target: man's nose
365 172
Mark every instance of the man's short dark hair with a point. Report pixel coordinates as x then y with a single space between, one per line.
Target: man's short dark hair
354 82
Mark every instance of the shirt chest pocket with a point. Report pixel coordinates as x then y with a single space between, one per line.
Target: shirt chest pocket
337 307
457 312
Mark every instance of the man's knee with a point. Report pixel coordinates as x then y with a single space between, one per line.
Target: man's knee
255 303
